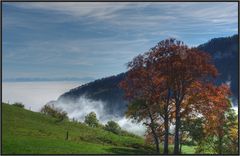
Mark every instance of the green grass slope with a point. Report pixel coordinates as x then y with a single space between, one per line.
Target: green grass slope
27 132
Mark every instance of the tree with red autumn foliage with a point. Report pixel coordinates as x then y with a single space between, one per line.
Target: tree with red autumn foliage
183 66
140 89
166 80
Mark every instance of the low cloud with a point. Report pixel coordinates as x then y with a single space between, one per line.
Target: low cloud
80 108
130 126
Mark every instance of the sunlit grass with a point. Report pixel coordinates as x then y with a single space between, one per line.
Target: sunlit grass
30 132
26 132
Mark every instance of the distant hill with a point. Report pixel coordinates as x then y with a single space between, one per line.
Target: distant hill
225 55
224 51
105 89
27 132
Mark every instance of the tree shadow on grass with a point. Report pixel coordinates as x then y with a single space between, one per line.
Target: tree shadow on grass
119 150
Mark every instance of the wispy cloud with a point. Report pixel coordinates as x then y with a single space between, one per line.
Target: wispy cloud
102 37
139 13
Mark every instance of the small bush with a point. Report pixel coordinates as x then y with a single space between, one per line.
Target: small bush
101 126
126 133
113 127
18 104
91 120
55 112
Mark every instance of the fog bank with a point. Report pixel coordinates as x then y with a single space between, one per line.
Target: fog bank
78 110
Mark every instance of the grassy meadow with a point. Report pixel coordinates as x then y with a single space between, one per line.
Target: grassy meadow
27 132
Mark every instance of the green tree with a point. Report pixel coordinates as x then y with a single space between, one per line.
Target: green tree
18 104
233 131
142 111
55 112
91 119
194 129
112 126
230 139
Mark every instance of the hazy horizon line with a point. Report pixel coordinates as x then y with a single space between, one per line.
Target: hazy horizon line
44 79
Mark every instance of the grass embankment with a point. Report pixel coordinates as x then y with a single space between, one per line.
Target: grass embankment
27 132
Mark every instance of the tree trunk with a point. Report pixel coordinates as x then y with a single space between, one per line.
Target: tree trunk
176 140
220 144
154 132
180 151
166 131
156 141
166 127
220 135
157 147
180 142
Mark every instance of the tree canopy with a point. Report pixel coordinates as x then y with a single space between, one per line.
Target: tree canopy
173 83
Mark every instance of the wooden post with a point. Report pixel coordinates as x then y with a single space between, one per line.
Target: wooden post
66 136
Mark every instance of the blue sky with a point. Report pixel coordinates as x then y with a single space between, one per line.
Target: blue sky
86 41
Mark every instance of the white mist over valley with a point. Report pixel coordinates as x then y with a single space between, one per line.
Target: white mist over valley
36 94
78 110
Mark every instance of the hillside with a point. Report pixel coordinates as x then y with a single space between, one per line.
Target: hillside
223 50
27 132
105 89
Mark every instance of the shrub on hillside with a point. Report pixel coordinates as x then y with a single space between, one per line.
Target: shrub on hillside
126 133
18 104
112 126
101 126
55 112
91 120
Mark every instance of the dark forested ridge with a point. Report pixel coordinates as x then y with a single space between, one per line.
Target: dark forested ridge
223 50
105 89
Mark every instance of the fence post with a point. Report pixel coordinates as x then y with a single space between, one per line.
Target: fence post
66 136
